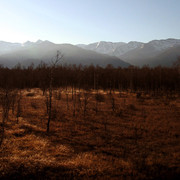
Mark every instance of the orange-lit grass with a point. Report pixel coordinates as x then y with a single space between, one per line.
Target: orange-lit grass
139 140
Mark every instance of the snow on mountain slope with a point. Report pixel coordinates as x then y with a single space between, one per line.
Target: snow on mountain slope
102 47
30 52
164 44
120 48
110 48
135 53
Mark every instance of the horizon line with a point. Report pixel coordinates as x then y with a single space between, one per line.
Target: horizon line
15 42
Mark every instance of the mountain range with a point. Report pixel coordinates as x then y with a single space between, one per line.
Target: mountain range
154 53
35 52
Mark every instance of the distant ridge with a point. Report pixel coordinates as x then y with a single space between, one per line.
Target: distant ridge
139 53
35 52
154 53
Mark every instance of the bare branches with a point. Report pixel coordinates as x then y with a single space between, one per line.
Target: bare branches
54 61
7 100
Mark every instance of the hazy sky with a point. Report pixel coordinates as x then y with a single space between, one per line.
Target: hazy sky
87 21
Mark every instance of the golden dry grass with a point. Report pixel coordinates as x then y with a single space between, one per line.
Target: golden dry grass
138 140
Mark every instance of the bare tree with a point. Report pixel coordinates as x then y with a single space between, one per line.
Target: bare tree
74 103
86 101
19 110
5 101
112 99
67 100
79 101
98 99
55 60
13 100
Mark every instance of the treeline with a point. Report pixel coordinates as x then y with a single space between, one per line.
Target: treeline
89 77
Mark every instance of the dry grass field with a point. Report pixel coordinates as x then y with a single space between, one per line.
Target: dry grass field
117 136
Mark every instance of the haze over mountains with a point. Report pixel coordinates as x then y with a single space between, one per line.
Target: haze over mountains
153 53
35 52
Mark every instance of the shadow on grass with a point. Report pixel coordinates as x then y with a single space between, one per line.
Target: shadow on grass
25 173
30 130
50 172
160 172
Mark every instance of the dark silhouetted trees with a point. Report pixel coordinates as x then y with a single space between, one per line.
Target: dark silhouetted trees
78 77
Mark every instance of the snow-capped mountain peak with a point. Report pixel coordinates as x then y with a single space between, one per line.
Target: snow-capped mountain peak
164 44
120 48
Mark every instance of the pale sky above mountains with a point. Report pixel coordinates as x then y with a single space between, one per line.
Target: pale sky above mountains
87 21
